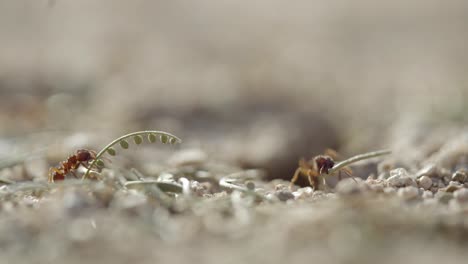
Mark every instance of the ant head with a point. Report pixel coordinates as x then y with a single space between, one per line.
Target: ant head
324 163
85 155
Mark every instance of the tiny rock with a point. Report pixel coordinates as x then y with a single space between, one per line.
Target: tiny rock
428 170
453 186
400 178
425 182
284 195
460 176
303 192
401 181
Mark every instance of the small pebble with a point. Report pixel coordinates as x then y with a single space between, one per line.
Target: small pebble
428 170
453 186
284 195
425 182
401 181
400 178
200 189
280 187
398 172
303 192
250 185
461 195
408 193
459 176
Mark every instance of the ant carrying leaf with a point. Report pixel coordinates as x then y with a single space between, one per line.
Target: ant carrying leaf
323 165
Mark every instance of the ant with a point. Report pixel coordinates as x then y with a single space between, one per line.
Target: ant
81 157
316 167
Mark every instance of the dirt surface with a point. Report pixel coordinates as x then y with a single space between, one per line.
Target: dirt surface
250 87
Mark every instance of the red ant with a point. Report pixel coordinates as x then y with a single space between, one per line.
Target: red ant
316 167
81 157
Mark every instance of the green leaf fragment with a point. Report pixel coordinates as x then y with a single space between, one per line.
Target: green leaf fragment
111 151
124 144
137 139
100 163
152 138
164 139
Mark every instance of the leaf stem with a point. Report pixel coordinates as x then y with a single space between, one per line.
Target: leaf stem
357 158
116 141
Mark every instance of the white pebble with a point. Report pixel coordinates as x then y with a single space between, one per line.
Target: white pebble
400 178
425 182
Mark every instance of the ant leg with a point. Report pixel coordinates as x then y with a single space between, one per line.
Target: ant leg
311 182
74 174
295 177
51 177
339 175
324 182
349 173
86 167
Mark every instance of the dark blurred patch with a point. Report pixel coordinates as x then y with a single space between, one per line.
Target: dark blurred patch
268 135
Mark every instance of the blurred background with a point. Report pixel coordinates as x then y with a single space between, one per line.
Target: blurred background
257 83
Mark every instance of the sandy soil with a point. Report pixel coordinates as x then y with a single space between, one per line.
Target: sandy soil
250 87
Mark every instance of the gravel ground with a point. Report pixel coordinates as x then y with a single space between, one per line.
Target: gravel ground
185 213
250 87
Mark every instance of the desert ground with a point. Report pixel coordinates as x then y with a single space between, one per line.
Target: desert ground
250 88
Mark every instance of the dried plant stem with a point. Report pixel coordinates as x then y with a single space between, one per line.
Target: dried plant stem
226 182
165 138
357 158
